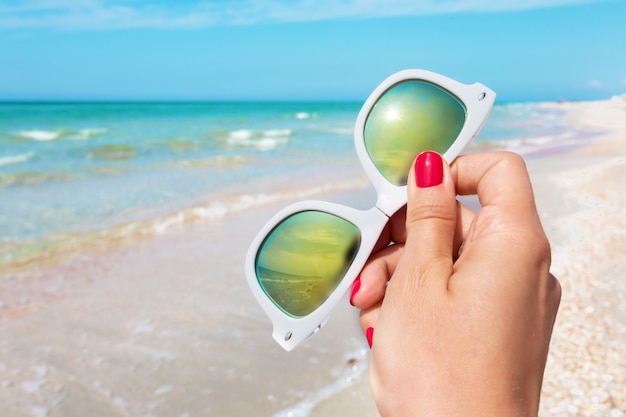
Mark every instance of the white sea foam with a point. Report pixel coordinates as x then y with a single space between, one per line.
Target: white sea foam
90 133
41 135
303 115
341 130
242 134
217 209
245 202
50 135
278 132
168 222
270 143
15 159
262 140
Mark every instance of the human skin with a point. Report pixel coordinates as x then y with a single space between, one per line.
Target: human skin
459 310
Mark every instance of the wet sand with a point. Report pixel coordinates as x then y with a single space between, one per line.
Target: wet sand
166 326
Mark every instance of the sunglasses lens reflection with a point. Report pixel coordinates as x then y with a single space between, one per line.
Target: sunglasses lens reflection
409 118
304 258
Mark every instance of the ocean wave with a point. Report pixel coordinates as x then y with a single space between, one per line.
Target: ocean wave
233 204
15 159
40 135
62 244
51 135
259 139
90 133
305 115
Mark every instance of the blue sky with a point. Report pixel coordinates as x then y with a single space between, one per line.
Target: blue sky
305 49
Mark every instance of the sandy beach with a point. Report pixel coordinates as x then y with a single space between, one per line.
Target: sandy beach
166 326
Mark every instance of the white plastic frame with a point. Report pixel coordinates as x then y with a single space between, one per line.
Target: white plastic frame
290 331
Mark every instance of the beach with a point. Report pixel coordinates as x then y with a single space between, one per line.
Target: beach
163 323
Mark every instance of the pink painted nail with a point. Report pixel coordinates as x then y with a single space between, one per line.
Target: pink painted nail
428 169
355 288
369 333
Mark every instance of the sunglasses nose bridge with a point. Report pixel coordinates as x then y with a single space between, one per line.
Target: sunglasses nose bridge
390 198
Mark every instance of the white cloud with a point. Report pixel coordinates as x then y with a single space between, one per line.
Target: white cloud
122 14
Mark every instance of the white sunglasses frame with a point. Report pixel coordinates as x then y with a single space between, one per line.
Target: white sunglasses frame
289 331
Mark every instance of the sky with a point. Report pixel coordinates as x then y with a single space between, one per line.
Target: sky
525 50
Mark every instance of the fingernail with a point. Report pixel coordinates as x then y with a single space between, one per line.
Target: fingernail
428 169
355 288
369 333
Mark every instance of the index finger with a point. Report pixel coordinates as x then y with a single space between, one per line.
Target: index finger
500 179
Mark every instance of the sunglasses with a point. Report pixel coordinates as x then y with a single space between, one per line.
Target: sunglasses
304 260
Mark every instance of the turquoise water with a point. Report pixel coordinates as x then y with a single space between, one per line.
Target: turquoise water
69 168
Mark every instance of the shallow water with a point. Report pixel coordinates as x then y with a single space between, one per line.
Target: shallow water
105 169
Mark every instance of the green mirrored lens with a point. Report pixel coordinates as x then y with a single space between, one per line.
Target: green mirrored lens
304 258
409 118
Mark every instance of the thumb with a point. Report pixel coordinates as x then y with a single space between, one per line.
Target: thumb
430 221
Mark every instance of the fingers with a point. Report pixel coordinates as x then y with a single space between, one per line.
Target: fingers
369 288
508 217
506 236
372 282
431 225
368 319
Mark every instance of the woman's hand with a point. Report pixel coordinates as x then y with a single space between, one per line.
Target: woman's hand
459 310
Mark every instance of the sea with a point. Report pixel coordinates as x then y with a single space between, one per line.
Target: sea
71 172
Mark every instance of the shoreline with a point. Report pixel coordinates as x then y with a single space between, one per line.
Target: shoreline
214 207
47 250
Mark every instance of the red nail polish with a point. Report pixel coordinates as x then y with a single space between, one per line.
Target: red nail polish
355 288
369 333
428 169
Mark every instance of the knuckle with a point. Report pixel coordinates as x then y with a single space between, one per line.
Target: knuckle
512 159
555 288
432 210
539 243
535 244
